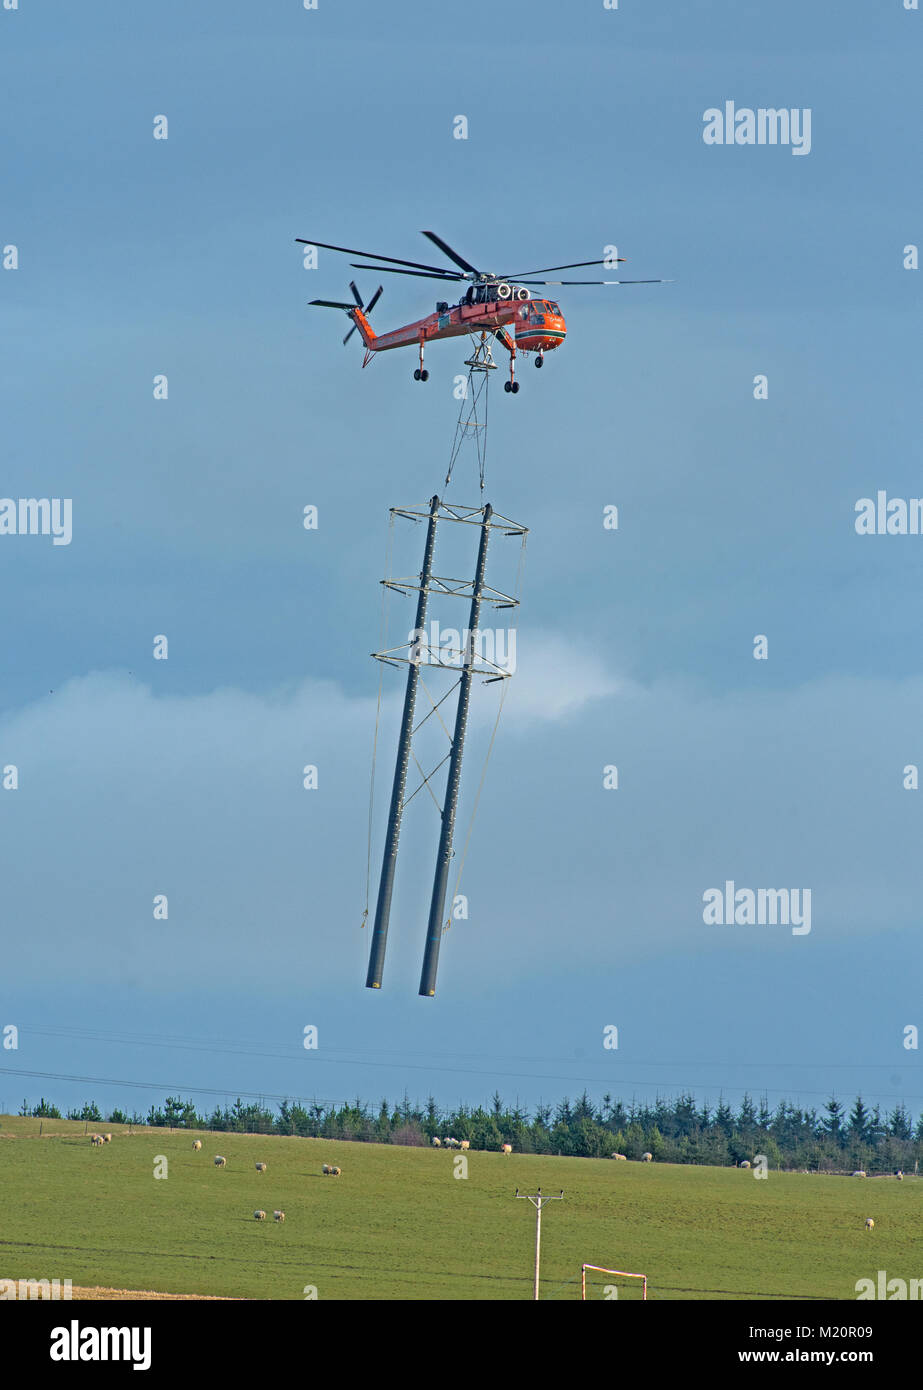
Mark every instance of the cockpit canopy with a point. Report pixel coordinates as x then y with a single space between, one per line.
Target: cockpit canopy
537 308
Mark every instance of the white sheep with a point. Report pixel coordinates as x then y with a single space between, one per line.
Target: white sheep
107 1138
465 1145
869 1224
623 1157
859 1173
899 1175
330 1171
219 1161
278 1215
647 1158
97 1139
437 1142
259 1216
506 1148
197 1144
261 1167
744 1163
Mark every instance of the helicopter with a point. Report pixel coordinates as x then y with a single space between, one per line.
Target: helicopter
501 305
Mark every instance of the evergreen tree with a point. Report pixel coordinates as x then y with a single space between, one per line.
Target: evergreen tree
859 1121
724 1119
833 1124
746 1119
899 1123
584 1110
46 1110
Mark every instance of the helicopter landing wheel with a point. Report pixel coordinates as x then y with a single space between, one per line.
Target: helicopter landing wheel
416 375
507 386
539 361
514 387
424 375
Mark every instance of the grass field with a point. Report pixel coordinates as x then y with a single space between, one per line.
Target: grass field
399 1225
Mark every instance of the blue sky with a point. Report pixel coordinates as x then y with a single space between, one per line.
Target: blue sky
137 777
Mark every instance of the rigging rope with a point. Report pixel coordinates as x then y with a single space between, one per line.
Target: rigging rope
490 747
479 365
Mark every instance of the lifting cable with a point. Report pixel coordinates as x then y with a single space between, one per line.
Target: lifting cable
480 364
490 747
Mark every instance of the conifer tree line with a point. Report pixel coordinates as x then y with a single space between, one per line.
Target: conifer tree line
835 1139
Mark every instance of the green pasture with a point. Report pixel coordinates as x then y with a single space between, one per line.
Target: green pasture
398 1223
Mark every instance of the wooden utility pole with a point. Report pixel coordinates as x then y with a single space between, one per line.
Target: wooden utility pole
538 1202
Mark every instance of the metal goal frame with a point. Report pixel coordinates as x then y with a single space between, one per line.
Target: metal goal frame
622 1273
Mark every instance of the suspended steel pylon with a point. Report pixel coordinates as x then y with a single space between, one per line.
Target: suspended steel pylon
396 809
469 663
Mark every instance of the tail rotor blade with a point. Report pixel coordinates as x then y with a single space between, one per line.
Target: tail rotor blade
356 295
349 335
373 301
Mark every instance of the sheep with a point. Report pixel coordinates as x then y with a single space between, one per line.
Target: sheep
647 1158
869 1224
261 1167
899 1175
506 1148
623 1157
437 1142
330 1172
278 1216
107 1138
465 1145
450 1143
197 1144
744 1163
859 1173
219 1161
259 1216
97 1139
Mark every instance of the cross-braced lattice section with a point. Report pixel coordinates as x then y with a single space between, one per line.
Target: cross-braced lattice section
455 588
446 658
472 516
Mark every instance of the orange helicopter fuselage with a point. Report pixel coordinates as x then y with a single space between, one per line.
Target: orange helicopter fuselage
537 325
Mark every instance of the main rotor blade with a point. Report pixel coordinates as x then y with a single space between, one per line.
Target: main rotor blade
546 269
356 295
451 275
350 251
373 301
595 282
330 304
452 255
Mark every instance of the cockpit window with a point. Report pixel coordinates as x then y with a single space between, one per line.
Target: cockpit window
553 308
